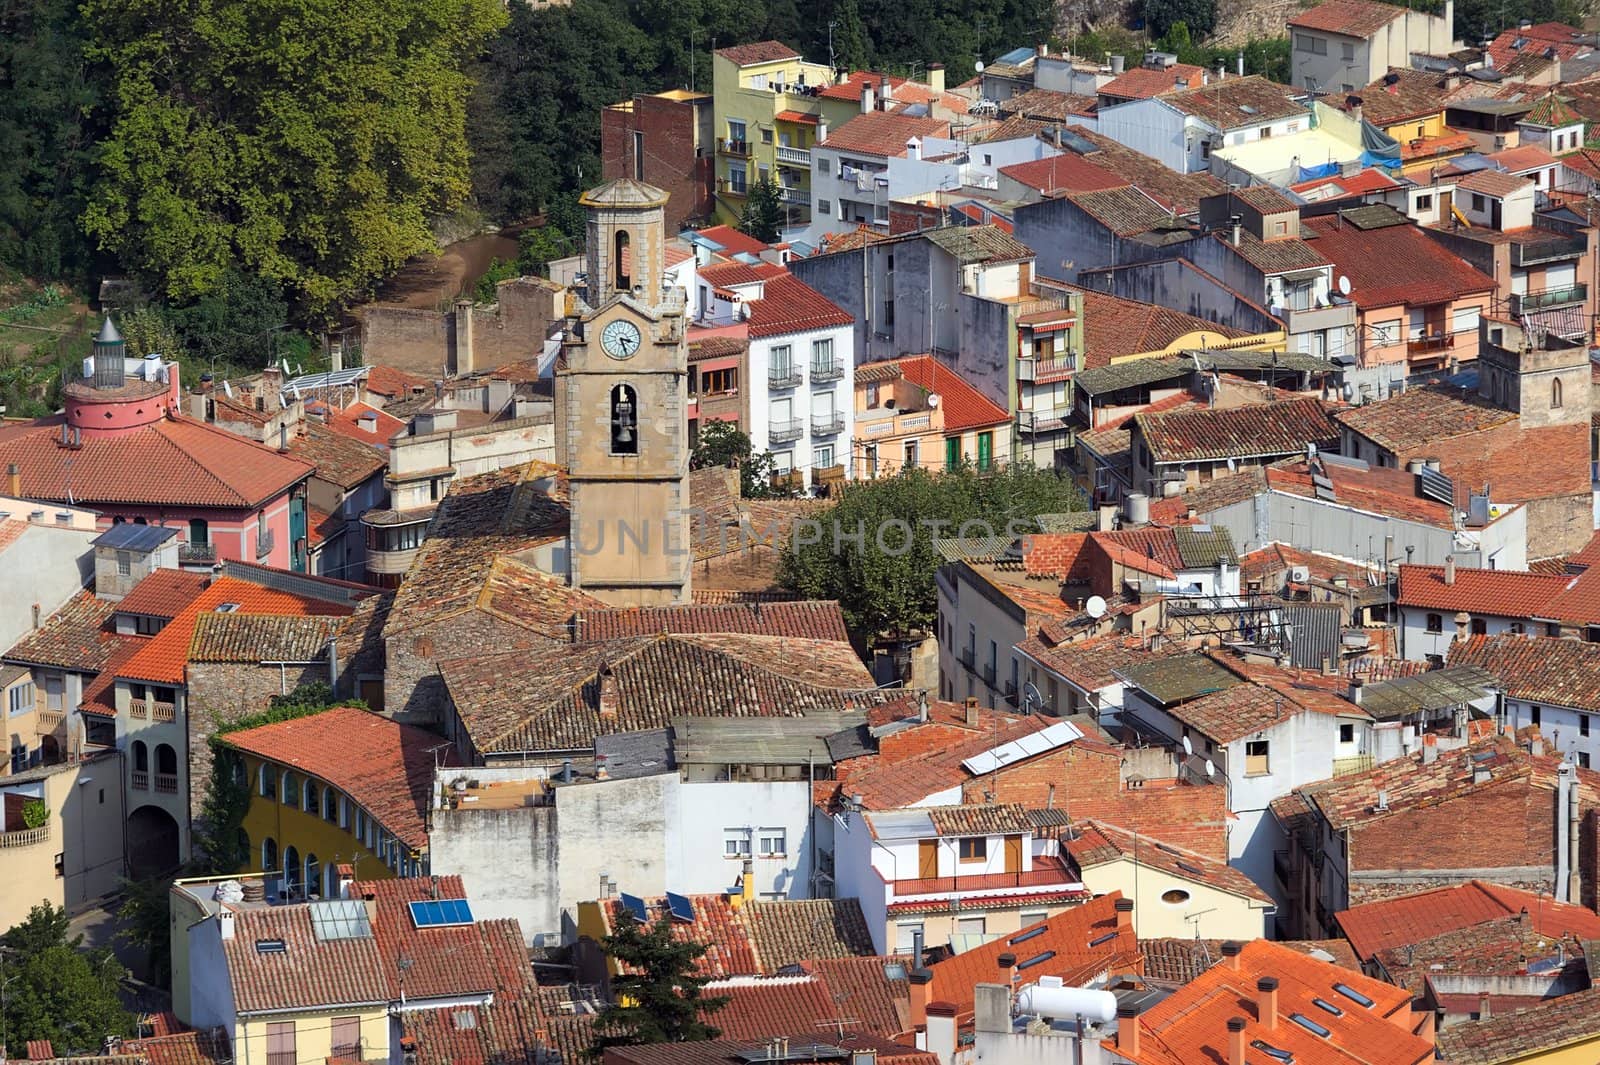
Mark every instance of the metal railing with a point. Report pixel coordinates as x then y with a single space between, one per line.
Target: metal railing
1430 345
784 431
1046 872
794 194
737 149
731 188
1554 297
1356 763
1526 253
193 552
827 424
988 674
141 780
797 156
784 375
827 371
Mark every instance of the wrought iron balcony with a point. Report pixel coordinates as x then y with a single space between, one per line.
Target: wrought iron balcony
827 371
737 149
1553 297
197 552
827 424
785 431
784 375
265 541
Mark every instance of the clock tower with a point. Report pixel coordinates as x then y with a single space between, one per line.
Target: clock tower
621 392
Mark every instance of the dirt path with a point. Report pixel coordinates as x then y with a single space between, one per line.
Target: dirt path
430 282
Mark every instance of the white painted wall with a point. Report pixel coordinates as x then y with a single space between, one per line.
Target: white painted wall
210 989
1563 727
856 877
709 812
806 398
1417 643
45 566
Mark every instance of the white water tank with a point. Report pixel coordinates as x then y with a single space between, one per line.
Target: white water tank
1138 508
1061 1002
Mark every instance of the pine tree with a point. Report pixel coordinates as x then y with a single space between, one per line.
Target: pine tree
658 995
763 212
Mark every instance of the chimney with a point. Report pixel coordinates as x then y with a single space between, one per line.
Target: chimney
1430 753
1449 569
272 387
1106 519
1267 1002
747 880
913 147
1124 908
936 77
885 94
822 129
345 875
1042 50
919 979
942 1030
1236 1041
14 481
1128 1029
868 103
916 949
609 697
1007 963
1356 685
1463 619
225 922
1230 954
1238 230
600 770
972 711
1483 1005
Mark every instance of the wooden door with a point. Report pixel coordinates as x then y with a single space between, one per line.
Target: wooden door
1013 854
927 858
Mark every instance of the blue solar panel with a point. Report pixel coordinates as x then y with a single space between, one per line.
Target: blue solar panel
680 908
635 905
441 913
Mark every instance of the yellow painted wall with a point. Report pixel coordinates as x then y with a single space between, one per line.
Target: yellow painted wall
313 1036
1585 1052
1431 126
308 833
734 100
1221 915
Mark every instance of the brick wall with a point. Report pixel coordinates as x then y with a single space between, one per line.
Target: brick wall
671 160
413 690
427 342
219 693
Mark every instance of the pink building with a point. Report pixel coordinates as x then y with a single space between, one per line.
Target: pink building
123 448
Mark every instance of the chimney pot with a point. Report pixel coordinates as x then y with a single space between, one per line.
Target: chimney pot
1236 1041
1230 954
1128 1029
1124 908
921 981
1449 569
1006 960
1267 1001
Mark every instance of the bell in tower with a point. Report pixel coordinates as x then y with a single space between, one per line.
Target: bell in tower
627 230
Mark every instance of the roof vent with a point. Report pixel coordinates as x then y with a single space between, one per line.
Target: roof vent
227 608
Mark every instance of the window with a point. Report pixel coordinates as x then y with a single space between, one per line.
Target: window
20 698
906 934
872 395
824 166
823 457
19 756
199 531
783 462
267 779
1478 202
781 362
970 926
766 136
1435 623
124 563
1175 897
1517 628
973 849
1533 715
1347 52
1425 203
269 854
330 805
347 1030
1555 393
280 1043
638 174
719 382
313 875
822 355
913 454
624 421
1347 733
736 178
1311 45
54 689
1480 627
736 129
291 790
141 757
735 843
1583 759
825 208
1033 917
1583 724
1255 758
361 824
773 842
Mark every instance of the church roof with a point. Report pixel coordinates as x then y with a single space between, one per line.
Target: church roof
624 192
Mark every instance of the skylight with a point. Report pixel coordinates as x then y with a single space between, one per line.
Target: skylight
1353 995
1309 1025
1324 1004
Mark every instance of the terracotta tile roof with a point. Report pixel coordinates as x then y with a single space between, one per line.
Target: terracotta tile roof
163 594
392 383
260 638
175 462
360 640
1099 843
1190 1025
1077 943
486 956
1522 157
923 760
1478 591
763 1006
746 55
882 133
1065 173
321 526
1543 1029
979 819
716 926
1551 112
873 990
734 273
163 657
1387 924
384 766
99 695
1349 18
1126 211
1116 328
1413 94
991 243
338 459
76 637
1170 189
741 1051
1089 663
1177 961
789 305
1274 256
1362 181
1049 106
1235 102
791 931
1421 416
309 973
1143 82
716 347
731 240
507 1032
806 619
365 424
1244 709
963 405
1377 489
1492 183
1433 274
1013 127
548 699
210 1047
1268 430
1537 669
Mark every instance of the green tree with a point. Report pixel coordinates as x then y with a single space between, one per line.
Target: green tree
725 444
146 916
499 270
851 45
763 212
658 997
538 247
1197 16
873 549
306 142
55 990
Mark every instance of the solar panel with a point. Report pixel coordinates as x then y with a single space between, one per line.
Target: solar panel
441 913
680 908
340 919
635 906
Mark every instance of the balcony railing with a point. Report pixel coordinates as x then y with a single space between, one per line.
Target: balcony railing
988 674
167 783
783 376
198 553
967 655
794 156
138 708
732 188
1555 297
1047 872
26 837
794 194
785 431
737 149
1543 251
141 780
827 424
161 711
47 721
827 371
265 541
1431 345
1356 763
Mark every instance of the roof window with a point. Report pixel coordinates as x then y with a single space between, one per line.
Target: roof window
1353 995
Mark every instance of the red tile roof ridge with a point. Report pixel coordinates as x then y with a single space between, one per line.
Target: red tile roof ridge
1386 923
964 406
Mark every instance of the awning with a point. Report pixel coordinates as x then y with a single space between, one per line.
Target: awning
795 116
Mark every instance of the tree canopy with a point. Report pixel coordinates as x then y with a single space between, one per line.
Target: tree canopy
309 143
763 212
658 997
56 990
873 550
725 444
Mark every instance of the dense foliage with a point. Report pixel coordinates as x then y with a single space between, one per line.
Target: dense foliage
873 550
55 989
763 212
658 996
725 444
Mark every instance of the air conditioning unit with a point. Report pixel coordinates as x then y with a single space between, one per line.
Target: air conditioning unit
1299 574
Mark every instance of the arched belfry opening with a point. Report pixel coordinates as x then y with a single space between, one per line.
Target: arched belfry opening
624 420
623 258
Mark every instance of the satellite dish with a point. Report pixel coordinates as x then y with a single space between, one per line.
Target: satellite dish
1030 695
933 401
978 66
226 387
1188 748
1211 768
1344 285
1095 607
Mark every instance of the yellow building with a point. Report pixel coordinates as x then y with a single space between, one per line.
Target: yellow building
766 122
1408 105
340 787
74 852
916 411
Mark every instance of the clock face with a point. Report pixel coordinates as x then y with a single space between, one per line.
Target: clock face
620 339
